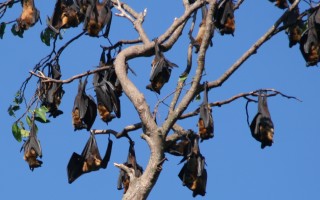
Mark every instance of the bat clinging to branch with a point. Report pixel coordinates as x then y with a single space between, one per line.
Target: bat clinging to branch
98 18
84 110
309 43
224 17
32 148
29 17
124 179
89 160
51 93
205 122
161 70
262 126
193 174
295 26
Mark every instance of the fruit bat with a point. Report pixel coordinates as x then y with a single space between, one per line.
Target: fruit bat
89 160
51 93
309 42
180 148
32 148
84 110
202 28
295 26
107 99
66 14
224 17
29 17
98 18
124 179
261 126
193 173
161 70
205 122
282 4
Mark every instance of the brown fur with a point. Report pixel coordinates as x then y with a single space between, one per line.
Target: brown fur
229 26
76 121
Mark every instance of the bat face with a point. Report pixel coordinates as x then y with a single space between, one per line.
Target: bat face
29 16
193 174
225 17
32 149
89 160
261 127
161 70
124 179
84 111
309 43
283 4
99 18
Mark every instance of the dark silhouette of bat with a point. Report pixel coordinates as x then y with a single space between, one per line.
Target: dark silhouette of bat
282 4
32 148
66 14
205 122
161 70
261 127
84 110
295 26
51 93
107 98
309 42
224 17
193 173
89 160
29 17
124 179
97 17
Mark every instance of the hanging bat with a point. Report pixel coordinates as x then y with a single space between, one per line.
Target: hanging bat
89 160
205 122
161 70
66 14
261 126
193 174
224 17
29 17
107 99
179 149
84 110
51 93
282 4
309 42
32 149
295 26
202 28
98 18
124 179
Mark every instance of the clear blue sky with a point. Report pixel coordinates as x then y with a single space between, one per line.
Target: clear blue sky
237 167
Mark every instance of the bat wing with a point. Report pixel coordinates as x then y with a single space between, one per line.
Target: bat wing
254 126
120 180
55 20
114 99
91 113
106 158
227 11
74 168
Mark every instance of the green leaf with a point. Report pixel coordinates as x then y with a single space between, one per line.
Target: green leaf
16 131
46 35
41 120
2 28
24 133
183 77
41 113
28 120
12 109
